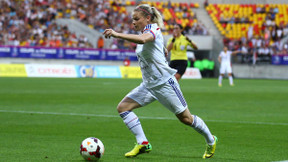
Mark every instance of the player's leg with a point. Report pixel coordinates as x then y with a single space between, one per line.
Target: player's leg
127 104
229 71
131 120
222 72
199 125
172 98
135 99
230 79
220 80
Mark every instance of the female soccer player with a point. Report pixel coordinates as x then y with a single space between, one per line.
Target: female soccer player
225 65
158 83
178 46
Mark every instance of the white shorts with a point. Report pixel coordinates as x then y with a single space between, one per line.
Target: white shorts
225 68
168 94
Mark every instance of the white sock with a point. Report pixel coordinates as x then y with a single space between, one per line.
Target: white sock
199 125
132 122
220 79
230 80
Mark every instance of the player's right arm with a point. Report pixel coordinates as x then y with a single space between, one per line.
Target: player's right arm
235 52
139 39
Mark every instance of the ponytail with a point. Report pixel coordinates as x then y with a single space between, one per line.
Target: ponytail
158 17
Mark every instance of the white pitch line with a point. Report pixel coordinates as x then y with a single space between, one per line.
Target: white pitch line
142 117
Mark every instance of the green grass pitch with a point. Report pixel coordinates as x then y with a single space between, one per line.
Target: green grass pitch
45 119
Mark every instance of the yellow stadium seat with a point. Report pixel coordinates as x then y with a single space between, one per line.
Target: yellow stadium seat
173 4
91 26
128 3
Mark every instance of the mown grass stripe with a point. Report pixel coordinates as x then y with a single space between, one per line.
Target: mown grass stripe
141 117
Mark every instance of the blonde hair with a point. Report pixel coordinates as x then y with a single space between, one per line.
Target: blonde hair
155 15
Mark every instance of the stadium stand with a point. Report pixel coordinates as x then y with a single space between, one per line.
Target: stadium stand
31 23
256 28
180 13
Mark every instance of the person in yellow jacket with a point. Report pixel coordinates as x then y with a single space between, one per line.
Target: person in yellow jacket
177 45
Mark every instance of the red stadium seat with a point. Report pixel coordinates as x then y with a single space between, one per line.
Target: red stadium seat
133 3
192 5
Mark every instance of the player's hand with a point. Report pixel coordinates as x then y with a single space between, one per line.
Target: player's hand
108 33
165 52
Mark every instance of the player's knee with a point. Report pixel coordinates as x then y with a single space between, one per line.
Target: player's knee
120 107
187 121
126 106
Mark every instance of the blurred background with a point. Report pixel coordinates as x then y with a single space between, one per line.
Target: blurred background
63 38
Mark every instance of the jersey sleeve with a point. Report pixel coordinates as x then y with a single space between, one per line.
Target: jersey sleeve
150 29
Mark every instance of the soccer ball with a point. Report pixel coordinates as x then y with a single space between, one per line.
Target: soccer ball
92 149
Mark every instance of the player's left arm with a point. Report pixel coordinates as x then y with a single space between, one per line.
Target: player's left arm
193 44
139 39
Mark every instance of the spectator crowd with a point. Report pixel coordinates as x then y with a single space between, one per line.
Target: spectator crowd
260 45
32 22
266 28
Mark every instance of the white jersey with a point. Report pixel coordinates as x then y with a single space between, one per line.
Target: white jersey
152 61
225 62
225 57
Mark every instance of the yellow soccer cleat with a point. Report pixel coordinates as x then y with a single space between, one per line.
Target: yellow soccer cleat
145 147
210 149
219 85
